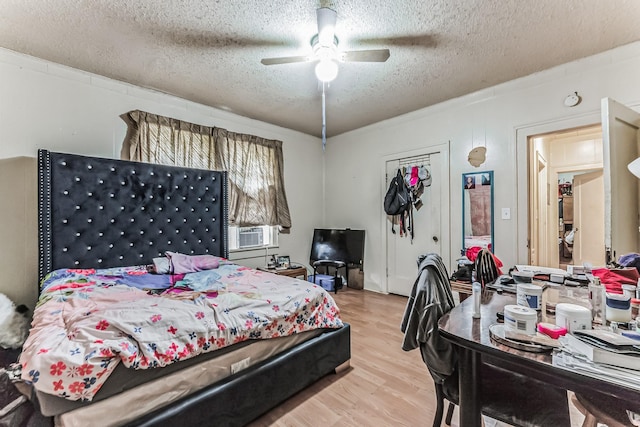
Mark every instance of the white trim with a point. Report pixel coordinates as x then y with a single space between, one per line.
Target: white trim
522 134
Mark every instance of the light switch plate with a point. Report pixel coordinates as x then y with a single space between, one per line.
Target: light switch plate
506 213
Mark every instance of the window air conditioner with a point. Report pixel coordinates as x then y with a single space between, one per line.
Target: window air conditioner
250 236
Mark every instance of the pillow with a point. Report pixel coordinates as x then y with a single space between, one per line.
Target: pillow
181 263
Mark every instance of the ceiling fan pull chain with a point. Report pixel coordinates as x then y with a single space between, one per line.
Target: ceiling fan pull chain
324 120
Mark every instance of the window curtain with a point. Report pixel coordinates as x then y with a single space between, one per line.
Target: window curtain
255 165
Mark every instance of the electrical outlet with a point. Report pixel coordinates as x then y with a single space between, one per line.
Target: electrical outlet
239 366
506 213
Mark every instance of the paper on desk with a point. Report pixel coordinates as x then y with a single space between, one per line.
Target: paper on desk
578 363
536 269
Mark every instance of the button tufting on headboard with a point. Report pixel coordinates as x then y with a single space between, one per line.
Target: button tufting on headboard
102 212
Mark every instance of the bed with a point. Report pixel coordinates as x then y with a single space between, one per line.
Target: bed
102 220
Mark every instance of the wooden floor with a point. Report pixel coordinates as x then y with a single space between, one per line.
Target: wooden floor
384 385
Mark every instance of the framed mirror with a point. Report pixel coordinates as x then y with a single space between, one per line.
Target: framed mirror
477 210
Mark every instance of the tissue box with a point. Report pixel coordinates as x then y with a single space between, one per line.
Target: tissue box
324 280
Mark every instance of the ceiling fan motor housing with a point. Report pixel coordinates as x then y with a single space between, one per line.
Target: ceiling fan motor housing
324 46
322 51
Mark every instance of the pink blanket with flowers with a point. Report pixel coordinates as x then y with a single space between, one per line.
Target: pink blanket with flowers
88 321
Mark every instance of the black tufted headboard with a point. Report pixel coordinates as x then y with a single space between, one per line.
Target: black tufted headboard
99 213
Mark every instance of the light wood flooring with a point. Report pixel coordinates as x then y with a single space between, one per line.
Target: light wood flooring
384 385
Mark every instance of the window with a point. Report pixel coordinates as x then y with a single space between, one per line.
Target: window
252 237
255 168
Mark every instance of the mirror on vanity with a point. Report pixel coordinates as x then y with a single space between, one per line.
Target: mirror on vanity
477 210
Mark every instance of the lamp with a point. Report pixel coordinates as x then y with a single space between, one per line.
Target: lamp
634 167
326 70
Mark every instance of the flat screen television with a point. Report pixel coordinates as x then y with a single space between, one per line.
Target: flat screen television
338 245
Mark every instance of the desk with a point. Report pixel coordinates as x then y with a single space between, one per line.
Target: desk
471 336
291 272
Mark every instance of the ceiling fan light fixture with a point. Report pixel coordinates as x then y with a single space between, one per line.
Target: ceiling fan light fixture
326 70
325 38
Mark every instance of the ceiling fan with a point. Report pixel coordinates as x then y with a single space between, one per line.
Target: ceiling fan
325 50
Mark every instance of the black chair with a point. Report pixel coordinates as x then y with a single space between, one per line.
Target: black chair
506 395
509 397
326 265
602 410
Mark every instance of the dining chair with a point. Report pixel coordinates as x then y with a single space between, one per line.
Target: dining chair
509 397
601 410
506 396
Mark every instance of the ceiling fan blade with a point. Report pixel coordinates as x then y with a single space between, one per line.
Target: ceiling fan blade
326 25
422 40
286 60
374 55
195 39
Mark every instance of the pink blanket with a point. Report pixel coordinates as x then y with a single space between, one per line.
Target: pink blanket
88 321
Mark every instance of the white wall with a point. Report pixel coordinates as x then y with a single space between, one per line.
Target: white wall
498 118
44 105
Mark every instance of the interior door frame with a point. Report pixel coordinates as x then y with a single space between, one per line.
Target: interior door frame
445 223
523 133
539 205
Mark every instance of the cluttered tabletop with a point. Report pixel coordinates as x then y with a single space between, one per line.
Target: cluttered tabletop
582 321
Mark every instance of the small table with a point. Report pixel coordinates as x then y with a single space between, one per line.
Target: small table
291 271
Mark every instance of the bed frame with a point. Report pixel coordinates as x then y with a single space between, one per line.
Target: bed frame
99 213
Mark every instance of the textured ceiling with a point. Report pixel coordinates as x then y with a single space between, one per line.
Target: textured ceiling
209 51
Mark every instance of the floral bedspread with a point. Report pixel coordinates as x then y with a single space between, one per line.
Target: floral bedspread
88 321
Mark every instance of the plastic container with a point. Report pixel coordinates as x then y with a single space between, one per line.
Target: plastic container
325 281
618 308
476 288
529 295
635 307
522 276
629 290
551 330
520 319
573 317
597 300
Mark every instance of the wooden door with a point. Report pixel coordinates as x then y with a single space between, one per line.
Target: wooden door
430 225
588 219
620 147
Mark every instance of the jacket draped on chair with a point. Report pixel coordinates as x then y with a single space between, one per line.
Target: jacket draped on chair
431 297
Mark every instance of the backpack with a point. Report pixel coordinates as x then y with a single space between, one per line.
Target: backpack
397 201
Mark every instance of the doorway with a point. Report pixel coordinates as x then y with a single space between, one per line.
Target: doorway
430 221
566 197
